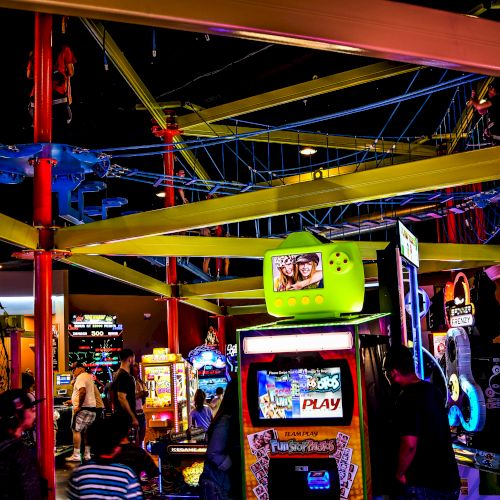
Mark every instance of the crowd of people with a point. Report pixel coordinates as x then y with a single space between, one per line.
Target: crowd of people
113 461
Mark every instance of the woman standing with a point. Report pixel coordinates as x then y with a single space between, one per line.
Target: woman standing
141 391
221 477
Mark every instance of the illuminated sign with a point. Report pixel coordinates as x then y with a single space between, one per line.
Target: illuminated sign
187 449
94 325
408 245
462 315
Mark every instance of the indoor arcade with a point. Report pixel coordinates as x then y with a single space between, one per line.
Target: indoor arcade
261 229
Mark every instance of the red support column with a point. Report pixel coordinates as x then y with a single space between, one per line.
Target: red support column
168 167
42 218
221 327
15 359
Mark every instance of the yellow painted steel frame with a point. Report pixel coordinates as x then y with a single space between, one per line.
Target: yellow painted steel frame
420 176
17 233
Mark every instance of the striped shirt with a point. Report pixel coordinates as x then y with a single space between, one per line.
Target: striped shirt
109 480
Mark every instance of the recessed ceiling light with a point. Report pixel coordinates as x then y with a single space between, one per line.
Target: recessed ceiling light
160 194
308 151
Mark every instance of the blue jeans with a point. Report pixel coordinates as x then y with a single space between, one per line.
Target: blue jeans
421 493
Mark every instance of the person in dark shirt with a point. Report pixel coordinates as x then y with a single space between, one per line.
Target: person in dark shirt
19 474
426 466
124 389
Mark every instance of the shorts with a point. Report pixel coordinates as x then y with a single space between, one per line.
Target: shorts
82 420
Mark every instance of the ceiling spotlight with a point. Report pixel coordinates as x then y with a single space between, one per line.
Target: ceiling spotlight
308 151
160 194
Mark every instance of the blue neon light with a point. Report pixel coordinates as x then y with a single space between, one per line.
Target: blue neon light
318 480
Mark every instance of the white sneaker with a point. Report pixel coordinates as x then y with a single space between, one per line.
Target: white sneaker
74 458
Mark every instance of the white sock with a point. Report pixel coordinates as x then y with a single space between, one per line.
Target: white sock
87 450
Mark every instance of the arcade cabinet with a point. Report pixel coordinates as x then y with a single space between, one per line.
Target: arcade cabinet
210 365
171 383
303 405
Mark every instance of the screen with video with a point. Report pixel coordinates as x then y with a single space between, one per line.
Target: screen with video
300 393
63 379
297 272
209 385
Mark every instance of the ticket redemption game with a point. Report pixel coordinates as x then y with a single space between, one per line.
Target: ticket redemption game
171 382
304 430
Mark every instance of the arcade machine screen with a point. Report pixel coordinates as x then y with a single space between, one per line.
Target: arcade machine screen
96 341
211 367
300 393
159 386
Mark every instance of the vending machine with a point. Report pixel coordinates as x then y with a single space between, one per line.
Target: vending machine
171 383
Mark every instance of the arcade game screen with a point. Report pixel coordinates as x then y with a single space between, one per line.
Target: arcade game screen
209 385
297 272
300 393
96 341
159 386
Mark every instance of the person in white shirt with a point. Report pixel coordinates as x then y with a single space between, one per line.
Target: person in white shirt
84 410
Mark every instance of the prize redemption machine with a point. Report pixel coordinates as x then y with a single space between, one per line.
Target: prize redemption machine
302 392
171 382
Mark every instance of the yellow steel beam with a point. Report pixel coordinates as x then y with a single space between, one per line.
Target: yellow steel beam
251 309
297 92
190 159
241 288
17 233
372 28
98 32
184 246
389 160
419 176
465 119
314 140
110 269
205 305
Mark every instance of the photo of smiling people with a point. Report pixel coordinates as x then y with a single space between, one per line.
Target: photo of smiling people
297 272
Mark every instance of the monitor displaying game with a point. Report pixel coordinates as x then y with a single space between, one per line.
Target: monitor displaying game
289 395
297 272
96 341
408 244
300 393
63 379
209 385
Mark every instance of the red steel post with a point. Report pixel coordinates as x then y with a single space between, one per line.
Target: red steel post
173 303
221 327
15 359
42 218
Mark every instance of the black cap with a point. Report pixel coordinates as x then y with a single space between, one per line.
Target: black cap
15 400
308 257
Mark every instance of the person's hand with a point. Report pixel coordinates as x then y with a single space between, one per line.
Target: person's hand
135 423
401 479
76 409
68 403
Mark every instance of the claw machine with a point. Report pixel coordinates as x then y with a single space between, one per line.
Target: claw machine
171 382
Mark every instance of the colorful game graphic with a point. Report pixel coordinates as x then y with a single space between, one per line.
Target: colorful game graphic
300 393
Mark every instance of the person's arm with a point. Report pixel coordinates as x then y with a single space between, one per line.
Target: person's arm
479 106
315 278
149 466
81 398
406 454
122 399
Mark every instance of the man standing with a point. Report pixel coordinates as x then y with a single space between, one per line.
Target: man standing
84 411
426 466
124 389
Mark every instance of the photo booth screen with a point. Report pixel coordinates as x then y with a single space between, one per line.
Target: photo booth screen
300 393
297 272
